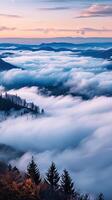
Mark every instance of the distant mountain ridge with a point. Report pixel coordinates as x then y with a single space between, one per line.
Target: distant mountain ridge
11 46
97 50
106 54
56 39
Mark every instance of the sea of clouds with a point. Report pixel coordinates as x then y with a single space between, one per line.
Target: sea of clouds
60 72
74 133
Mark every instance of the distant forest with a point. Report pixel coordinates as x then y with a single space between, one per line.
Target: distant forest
9 102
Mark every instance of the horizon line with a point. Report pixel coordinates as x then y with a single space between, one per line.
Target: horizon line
53 37
37 40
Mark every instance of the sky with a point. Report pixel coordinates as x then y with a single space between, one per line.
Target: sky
55 18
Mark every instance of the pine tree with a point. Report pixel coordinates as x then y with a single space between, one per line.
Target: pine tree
101 196
84 197
9 167
52 177
33 172
67 186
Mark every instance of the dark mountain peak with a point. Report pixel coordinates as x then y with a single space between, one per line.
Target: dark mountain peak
4 66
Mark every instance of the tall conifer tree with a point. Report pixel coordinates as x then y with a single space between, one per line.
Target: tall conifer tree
33 172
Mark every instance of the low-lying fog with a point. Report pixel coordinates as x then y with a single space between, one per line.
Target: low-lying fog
83 76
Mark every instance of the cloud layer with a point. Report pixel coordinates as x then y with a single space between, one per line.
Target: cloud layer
75 134
77 75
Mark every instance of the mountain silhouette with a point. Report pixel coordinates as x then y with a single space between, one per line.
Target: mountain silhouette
4 66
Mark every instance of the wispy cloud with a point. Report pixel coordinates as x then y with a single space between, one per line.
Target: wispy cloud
4 28
91 30
81 31
10 15
55 8
97 10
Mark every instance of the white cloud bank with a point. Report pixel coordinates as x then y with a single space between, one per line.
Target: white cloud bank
83 76
75 134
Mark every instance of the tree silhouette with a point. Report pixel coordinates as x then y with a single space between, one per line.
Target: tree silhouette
101 196
52 177
15 186
84 197
9 167
67 186
33 172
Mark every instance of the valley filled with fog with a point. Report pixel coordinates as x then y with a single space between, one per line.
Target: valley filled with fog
73 84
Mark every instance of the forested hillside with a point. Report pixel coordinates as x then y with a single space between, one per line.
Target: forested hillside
31 185
9 102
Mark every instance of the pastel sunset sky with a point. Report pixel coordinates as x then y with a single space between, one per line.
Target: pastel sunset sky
55 18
